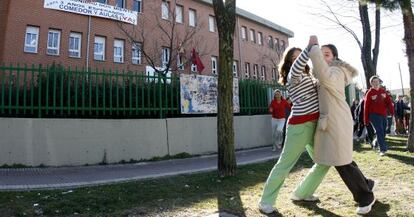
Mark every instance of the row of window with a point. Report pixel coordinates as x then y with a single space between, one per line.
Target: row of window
75 45
255 74
179 15
136 4
272 43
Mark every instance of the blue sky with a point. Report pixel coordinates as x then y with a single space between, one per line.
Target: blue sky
298 16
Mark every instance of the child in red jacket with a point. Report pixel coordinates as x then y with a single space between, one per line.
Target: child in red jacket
376 103
278 108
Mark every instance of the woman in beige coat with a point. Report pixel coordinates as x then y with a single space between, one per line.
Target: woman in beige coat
334 134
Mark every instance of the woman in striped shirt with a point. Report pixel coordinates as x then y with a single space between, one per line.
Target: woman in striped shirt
300 132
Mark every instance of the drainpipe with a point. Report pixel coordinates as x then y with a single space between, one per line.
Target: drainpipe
241 74
88 43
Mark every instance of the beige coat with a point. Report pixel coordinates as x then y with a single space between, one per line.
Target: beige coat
334 134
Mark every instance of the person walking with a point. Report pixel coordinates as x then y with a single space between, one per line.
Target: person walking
278 108
300 132
354 105
369 132
400 108
376 103
407 114
334 134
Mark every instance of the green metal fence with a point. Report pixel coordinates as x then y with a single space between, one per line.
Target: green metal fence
255 96
65 92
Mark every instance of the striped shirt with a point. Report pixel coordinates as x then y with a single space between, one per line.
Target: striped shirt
302 88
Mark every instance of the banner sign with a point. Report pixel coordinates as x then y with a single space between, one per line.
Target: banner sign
199 94
93 9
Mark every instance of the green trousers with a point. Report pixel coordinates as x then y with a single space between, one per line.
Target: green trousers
298 138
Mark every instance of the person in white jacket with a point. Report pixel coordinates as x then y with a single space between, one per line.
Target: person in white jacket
334 134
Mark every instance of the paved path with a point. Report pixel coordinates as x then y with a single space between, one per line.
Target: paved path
71 177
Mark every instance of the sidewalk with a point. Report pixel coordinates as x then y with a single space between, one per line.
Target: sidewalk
72 177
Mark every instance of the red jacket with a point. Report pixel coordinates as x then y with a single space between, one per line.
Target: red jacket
278 108
377 102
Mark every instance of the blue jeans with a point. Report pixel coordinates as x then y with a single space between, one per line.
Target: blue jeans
380 125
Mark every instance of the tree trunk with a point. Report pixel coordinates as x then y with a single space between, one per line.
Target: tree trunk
375 51
225 14
408 20
366 57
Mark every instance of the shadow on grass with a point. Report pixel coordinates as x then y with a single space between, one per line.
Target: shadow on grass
396 145
228 195
361 146
404 159
274 214
230 202
379 209
316 209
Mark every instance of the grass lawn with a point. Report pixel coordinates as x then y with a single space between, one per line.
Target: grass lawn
204 194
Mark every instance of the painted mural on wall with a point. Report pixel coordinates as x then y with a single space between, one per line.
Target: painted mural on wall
199 94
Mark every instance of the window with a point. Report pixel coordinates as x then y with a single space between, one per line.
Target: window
193 68
235 74
252 36
214 65
270 41
211 24
53 42
260 38
165 10
31 40
120 3
137 6
263 73
180 62
136 53
247 70
102 1
118 51
255 71
277 44
244 33
179 14
192 16
165 56
75 40
99 48
283 46
274 74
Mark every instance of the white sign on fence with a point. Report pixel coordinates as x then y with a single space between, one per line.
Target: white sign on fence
93 9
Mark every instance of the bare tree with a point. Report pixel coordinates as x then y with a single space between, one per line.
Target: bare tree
225 14
408 20
170 50
369 60
271 56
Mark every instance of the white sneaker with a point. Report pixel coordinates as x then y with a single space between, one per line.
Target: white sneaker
311 198
365 209
382 153
266 208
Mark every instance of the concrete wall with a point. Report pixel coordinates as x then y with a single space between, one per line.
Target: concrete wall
59 142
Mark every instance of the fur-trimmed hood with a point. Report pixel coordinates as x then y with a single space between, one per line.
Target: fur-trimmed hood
350 71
